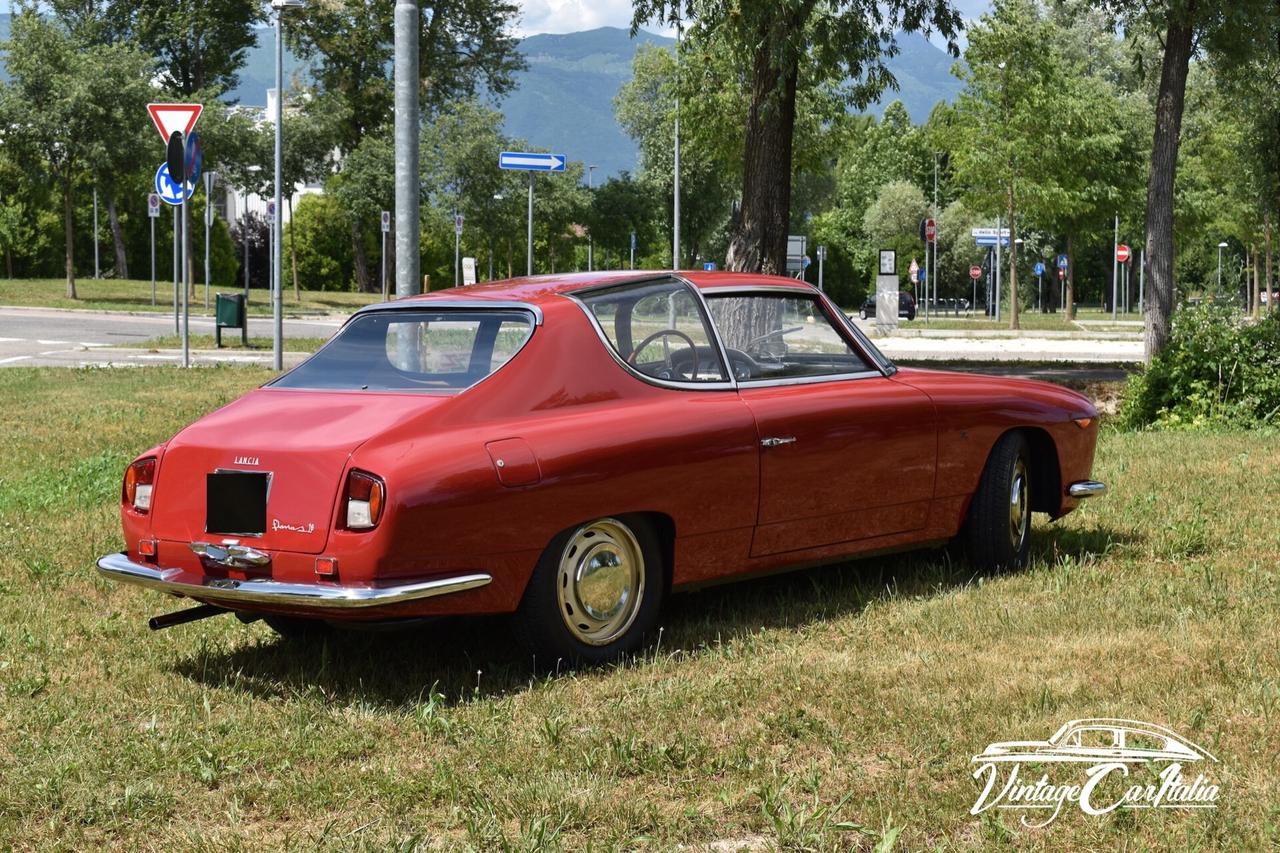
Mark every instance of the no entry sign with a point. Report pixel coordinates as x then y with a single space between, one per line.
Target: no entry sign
1123 253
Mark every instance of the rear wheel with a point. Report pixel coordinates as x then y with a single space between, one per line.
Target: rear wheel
998 529
595 593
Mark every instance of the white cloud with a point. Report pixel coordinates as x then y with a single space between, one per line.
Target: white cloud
571 16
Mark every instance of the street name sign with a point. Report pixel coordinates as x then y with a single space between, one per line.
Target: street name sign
530 161
169 118
987 236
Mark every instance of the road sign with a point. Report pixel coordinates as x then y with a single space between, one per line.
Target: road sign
914 268
386 221
529 161
930 230
709 266
171 118
193 157
1123 253
922 275
805 261
1062 273
975 272
822 253
168 190
271 213
1039 268
1062 262
153 205
987 236
457 224
468 271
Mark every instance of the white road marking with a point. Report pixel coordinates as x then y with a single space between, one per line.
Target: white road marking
52 343
13 359
12 340
92 344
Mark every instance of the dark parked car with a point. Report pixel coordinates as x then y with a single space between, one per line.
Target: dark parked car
906 306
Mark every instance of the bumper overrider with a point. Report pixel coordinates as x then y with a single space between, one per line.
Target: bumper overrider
230 593
1087 489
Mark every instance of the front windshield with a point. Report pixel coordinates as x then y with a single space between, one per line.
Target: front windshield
444 351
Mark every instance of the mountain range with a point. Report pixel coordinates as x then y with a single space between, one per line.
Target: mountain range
563 101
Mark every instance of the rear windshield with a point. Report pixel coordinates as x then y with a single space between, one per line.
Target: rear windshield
404 350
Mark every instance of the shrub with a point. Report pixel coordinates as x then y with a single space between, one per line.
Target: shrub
1218 369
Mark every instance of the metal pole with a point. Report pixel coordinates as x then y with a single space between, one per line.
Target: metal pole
675 224
591 172
529 258
1040 292
96 271
408 234
186 283
457 243
153 258
633 250
177 237
822 256
277 315
208 223
933 267
384 264
244 238
999 239
1115 269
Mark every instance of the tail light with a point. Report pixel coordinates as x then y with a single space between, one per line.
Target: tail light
364 499
139 478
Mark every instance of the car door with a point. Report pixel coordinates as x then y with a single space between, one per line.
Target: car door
846 452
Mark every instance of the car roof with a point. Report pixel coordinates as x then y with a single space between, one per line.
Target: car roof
540 288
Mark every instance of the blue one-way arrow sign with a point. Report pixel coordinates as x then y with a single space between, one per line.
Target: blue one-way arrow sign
531 161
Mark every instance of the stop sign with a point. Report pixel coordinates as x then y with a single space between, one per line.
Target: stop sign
930 230
1123 253
975 272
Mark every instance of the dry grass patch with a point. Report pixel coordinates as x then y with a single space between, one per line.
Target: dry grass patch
831 709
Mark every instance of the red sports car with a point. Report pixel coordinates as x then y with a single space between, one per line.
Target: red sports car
573 448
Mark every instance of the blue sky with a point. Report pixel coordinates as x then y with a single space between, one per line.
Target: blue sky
568 16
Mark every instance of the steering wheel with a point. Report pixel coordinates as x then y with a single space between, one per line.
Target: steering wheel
665 333
776 333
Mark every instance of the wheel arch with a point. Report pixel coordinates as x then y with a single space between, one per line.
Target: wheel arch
1046 470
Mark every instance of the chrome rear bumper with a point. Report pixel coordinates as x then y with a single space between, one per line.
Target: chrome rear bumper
1087 489
230 593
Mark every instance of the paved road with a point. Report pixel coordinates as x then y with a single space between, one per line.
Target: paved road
31 337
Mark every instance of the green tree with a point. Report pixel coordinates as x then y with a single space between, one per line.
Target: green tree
622 206
893 222
790 45
65 106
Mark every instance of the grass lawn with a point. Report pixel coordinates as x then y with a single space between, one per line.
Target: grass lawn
230 341
820 710
126 295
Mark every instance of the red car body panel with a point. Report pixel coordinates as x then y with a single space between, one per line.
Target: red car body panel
879 463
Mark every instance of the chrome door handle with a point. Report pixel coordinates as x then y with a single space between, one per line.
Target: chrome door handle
775 441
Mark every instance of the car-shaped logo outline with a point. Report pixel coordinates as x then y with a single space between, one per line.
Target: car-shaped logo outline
1068 745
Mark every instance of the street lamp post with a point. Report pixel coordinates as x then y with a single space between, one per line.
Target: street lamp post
591 171
277 314
1221 246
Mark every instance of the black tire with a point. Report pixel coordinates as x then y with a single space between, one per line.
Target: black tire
911 315
550 628
298 629
997 531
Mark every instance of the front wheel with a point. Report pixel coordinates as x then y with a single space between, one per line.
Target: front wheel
997 531
594 595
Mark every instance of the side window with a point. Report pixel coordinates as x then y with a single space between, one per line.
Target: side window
659 330
1098 738
777 336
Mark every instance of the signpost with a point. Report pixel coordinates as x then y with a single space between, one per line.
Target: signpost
468 271
796 245
271 248
987 236
174 184
1039 271
822 257
153 213
457 246
633 250
709 266
975 273
531 162
209 178
386 229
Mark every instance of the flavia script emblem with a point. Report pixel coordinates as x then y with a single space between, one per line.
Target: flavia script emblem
246 460
1100 765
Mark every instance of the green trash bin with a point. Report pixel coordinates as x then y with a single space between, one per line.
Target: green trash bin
229 313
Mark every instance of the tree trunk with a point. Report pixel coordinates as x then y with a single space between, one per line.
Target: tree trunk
1071 279
1013 263
1271 301
759 243
117 237
293 254
364 281
69 227
1160 185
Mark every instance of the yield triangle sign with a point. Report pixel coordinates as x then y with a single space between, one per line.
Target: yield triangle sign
171 117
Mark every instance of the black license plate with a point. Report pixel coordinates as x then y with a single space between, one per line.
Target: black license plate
236 503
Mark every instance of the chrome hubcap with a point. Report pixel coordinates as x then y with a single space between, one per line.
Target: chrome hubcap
600 582
1019 516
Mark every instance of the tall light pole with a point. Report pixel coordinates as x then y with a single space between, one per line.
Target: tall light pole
1221 246
591 172
408 233
277 315
675 210
97 272
1115 268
